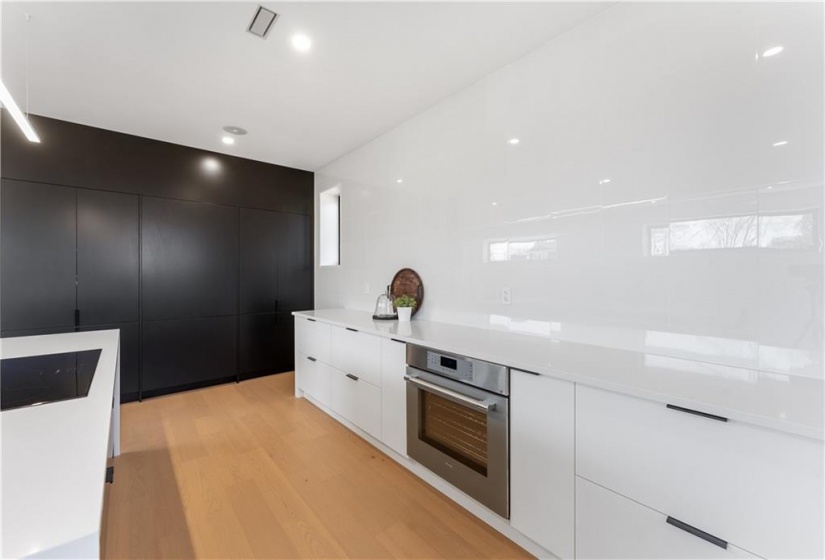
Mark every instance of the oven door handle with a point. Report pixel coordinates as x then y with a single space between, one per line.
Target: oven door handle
481 406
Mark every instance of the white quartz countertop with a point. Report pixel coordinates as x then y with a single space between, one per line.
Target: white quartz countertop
788 403
54 455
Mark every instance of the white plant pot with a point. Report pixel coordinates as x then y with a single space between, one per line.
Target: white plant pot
404 313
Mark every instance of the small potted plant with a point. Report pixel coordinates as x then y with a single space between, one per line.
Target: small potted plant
404 306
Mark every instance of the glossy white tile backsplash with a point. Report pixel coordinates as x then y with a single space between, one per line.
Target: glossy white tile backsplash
650 203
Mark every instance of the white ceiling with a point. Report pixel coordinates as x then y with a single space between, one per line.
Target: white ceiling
180 71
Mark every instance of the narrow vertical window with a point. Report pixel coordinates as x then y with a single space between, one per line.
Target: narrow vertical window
330 235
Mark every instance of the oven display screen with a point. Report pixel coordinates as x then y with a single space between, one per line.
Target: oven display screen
449 363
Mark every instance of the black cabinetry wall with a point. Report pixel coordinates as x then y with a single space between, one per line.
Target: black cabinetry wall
199 266
69 261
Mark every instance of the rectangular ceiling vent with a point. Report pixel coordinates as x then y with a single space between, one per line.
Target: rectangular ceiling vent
262 22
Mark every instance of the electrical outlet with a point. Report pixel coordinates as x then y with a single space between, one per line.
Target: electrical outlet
505 296
366 289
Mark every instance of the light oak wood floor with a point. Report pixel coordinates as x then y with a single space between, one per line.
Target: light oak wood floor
248 471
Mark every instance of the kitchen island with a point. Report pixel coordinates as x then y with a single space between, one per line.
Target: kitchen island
54 455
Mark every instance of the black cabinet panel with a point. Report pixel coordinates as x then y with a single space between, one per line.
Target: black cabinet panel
82 156
295 264
129 358
36 332
38 252
107 257
189 254
267 344
260 240
187 352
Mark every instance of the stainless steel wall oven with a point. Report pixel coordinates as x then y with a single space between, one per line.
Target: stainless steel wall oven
458 422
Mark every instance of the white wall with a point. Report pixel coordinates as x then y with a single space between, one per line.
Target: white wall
671 103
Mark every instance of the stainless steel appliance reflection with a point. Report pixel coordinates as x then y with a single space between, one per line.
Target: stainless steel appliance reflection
458 422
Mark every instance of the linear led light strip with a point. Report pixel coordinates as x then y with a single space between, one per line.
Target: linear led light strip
8 102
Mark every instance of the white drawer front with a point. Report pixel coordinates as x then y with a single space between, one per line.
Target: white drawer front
312 338
313 377
394 395
611 526
541 460
357 353
758 488
358 401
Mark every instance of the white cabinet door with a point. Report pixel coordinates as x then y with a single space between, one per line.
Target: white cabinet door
312 377
758 488
542 478
312 338
358 401
357 353
611 526
394 394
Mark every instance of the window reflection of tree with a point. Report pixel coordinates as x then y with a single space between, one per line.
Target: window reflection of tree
769 231
540 249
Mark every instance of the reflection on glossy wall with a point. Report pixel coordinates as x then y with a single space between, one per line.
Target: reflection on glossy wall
651 180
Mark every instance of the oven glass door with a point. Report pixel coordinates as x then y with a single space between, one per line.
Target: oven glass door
461 434
454 429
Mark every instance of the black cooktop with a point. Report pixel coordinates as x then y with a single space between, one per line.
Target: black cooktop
32 380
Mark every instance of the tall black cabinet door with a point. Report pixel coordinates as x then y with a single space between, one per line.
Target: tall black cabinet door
37 282
267 344
187 353
295 266
259 249
107 257
189 255
129 358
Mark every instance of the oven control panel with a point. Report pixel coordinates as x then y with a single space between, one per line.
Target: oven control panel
491 377
449 366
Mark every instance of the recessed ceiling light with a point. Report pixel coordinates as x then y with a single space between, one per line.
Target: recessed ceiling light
604 181
513 141
211 164
236 130
228 140
773 51
495 204
301 42
399 180
780 143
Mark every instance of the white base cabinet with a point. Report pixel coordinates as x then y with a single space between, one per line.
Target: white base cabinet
313 378
357 353
755 487
358 401
542 452
313 339
394 395
611 526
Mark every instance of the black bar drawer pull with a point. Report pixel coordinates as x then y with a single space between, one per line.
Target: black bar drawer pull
353 330
396 340
697 532
311 359
697 413
353 377
311 320
77 317
110 475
